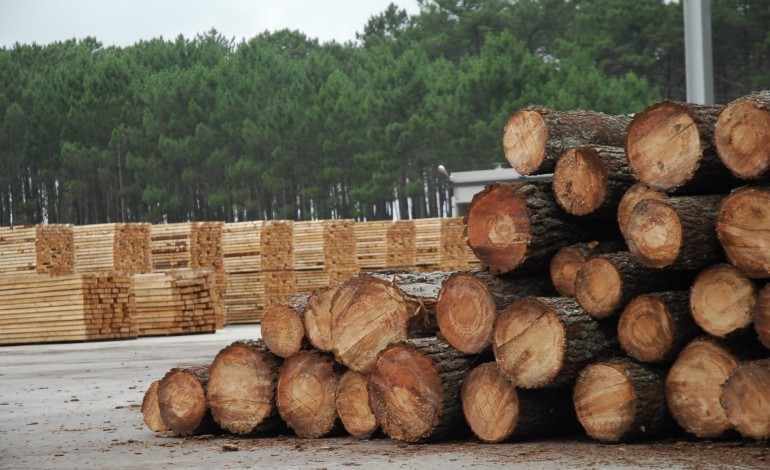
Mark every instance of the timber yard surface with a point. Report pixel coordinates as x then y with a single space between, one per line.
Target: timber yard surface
77 405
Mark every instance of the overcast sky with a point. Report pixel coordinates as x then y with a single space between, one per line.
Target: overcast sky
124 22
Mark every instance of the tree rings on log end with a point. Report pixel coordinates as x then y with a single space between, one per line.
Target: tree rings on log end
465 313
353 406
490 403
524 141
564 267
646 329
746 400
633 196
182 401
605 402
151 411
283 330
580 181
318 317
654 233
722 300
742 137
599 288
743 229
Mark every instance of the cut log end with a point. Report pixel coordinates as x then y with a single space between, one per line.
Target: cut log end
646 329
490 403
465 313
605 402
564 267
524 141
151 410
599 288
722 300
746 400
283 330
742 138
182 401
353 407
318 318
743 229
654 233
580 181
634 195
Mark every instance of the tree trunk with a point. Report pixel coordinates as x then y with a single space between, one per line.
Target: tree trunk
352 402
608 282
746 400
722 300
743 229
669 147
693 386
620 401
520 225
182 401
241 387
283 326
306 393
635 194
414 390
566 263
469 301
761 316
318 317
545 341
534 137
592 180
742 136
496 411
151 410
675 233
655 327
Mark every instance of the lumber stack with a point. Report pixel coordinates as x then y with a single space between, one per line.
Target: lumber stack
241 258
277 263
385 244
40 249
120 248
324 253
439 245
39 308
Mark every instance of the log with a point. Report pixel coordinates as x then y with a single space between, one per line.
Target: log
669 147
534 137
306 393
761 316
318 317
742 136
675 232
693 386
414 389
352 403
469 301
545 341
566 263
283 327
420 291
591 180
520 225
241 387
634 195
621 401
496 411
182 401
655 327
151 410
743 229
722 300
608 282
746 400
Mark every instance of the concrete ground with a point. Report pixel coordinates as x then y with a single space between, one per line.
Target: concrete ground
77 406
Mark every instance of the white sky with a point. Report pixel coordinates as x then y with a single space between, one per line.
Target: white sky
124 22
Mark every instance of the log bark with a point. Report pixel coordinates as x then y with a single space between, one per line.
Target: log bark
746 400
722 300
621 401
761 316
742 136
634 195
283 326
608 282
151 410
675 232
566 263
534 137
656 327
512 226
669 147
414 390
545 341
241 389
306 394
693 386
469 301
318 318
182 401
743 229
352 402
591 180
496 411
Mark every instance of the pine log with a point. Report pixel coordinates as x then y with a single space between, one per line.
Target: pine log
306 393
620 401
352 403
633 196
414 390
566 263
743 229
182 401
469 301
241 387
675 232
283 327
151 410
742 136
318 317
722 300
520 225
608 282
669 147
545 341
746 400
496 411
761 316
693 386
534 137
655 327
591 180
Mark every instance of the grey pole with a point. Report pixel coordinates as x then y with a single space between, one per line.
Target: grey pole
697 50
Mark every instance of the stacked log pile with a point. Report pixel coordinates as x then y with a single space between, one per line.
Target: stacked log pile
39 249
120 248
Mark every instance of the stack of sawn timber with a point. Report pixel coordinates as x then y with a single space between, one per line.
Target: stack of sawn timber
119 248
653 330
39 249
